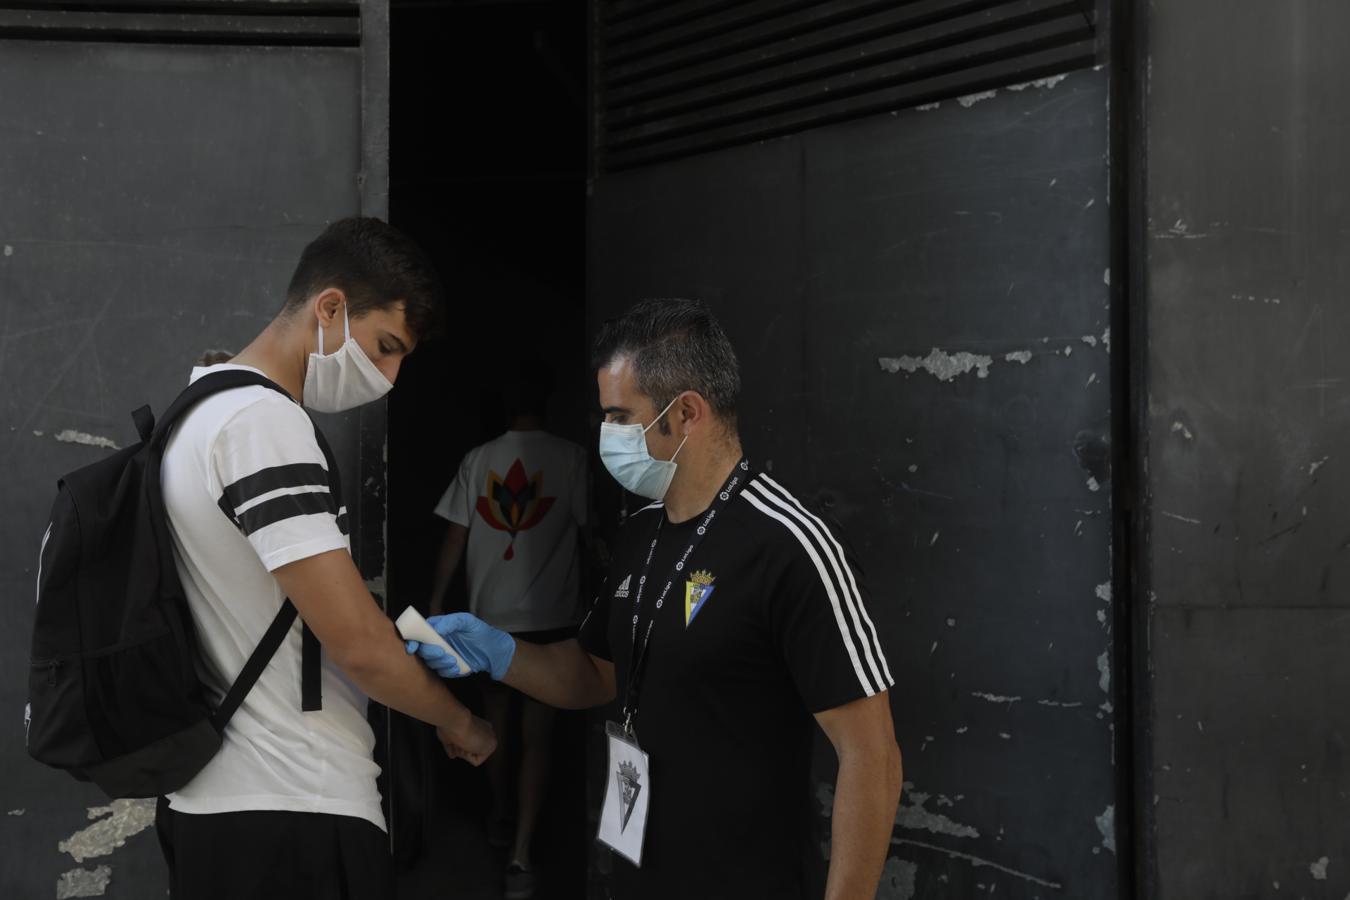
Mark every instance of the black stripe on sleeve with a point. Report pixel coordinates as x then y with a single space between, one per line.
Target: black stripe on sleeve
273 478
287 506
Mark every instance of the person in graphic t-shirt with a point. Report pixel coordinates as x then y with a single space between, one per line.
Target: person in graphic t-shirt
516 507
289 807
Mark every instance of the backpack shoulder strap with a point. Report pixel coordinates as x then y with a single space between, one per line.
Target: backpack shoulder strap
253 669
311 683
206 386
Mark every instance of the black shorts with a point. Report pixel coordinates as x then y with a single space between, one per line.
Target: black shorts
266 853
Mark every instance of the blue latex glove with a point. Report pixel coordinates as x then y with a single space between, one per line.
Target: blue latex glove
481 647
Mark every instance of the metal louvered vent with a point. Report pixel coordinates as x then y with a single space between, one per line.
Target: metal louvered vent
290 23
683 77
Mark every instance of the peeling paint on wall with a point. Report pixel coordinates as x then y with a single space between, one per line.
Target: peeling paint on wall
1106 824
897 880
1104 667
941 365
1181 429
71 436
1319 869
994 698
9 251
84 882
970 100
1019 356
1046 83
124 819
1312 469
913 816
16 812
927 106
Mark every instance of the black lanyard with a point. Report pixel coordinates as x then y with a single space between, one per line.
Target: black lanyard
637 665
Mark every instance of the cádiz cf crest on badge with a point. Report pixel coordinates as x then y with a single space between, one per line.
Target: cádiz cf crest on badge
697 590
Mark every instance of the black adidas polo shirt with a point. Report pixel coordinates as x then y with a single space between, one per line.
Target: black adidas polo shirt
779 630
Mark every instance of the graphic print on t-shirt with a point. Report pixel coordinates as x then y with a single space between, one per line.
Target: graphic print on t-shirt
697 590
515 503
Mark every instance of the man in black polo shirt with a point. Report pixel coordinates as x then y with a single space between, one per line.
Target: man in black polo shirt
732 616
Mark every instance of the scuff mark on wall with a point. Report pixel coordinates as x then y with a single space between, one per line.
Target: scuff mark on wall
16 812
1181 429
9 251
994 698
897 880
979 862
83 882
1312 469
941 365
124 819
71 436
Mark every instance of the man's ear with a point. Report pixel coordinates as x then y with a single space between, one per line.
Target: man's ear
327 304
693 411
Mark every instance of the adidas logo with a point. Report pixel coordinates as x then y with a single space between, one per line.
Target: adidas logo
622 592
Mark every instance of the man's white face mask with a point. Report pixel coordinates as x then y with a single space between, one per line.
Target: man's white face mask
345 378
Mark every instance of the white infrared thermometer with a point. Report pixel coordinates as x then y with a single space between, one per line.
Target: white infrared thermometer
413 627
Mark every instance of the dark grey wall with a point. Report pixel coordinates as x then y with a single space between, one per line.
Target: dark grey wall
153 200
1247 259
838 260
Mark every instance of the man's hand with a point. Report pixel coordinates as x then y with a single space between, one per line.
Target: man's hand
475 745
481 647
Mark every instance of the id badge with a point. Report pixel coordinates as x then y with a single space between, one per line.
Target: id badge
628 792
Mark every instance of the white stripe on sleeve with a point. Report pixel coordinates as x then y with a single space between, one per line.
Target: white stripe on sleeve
852 582
825 579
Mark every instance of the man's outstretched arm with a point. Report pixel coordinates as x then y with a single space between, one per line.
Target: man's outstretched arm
357 635
562 674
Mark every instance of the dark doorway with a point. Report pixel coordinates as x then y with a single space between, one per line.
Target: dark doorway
488 171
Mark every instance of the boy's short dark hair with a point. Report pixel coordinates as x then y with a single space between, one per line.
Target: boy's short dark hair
376 266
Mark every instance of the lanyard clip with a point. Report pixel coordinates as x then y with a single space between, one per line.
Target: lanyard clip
628 723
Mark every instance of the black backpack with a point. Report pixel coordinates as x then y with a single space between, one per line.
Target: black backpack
114 696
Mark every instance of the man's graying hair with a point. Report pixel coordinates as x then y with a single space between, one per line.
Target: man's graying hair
675 346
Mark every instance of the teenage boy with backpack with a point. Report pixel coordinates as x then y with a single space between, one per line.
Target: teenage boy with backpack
288 806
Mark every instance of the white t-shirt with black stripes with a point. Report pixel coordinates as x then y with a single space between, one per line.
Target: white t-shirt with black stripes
246 487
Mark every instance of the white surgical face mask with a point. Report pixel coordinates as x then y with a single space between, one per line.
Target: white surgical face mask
623 450
345 378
